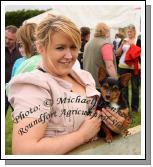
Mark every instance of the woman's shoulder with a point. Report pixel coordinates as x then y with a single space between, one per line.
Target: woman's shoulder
35 77
33 59
29 64
19 61
81 72
85 76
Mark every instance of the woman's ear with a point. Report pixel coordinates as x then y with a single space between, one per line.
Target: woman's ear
39 47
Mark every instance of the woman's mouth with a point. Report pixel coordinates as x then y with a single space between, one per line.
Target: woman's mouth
66 62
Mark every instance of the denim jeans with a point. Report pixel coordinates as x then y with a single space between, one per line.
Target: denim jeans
135 83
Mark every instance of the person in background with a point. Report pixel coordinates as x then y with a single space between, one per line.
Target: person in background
118 38
85 36
99 52
125 68
138 43
51 103
12 53
116 44
26 41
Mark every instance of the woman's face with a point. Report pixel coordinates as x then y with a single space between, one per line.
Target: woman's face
131 33
21 49
61 55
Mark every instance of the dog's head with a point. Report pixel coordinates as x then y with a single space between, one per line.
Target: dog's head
111 87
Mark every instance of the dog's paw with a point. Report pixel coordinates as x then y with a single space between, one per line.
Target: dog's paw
109 139
125 133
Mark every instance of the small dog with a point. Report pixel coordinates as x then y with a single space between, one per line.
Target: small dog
111 96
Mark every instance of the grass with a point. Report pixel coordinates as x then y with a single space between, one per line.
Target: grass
136 120
8 133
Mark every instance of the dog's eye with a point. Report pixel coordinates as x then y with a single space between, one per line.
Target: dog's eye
115 88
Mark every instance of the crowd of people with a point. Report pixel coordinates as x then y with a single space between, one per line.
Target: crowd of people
52 82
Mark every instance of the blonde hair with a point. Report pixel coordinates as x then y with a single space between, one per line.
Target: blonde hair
101 30
131 27
26 35
53 24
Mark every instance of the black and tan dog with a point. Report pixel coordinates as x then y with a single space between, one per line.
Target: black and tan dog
111 96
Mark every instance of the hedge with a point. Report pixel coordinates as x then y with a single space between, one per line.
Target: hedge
18 17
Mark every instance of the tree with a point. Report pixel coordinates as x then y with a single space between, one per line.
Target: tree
18 17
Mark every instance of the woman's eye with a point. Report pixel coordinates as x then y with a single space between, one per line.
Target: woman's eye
73 47
60 48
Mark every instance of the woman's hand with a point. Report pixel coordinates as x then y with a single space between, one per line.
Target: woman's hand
90 126
125 41
114 121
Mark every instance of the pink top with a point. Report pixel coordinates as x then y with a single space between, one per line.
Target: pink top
49 99
106 52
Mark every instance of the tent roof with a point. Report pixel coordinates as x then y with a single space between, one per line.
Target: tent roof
89 15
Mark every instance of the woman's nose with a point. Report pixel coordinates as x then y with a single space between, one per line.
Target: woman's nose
68 54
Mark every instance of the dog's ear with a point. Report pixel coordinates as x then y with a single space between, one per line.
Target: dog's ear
102 73
124 79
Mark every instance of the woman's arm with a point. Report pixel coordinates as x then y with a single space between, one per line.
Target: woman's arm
31 141
119 50
107 56
110 67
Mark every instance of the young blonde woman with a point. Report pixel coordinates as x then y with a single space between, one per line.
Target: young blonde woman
52 103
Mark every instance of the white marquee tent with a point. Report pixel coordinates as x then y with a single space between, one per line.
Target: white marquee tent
116 16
